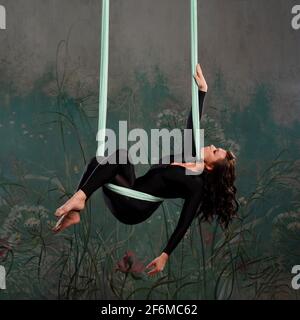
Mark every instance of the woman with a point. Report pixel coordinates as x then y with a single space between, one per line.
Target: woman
212 192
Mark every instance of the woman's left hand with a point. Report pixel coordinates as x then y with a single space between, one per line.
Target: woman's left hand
197 76
159 264
200 80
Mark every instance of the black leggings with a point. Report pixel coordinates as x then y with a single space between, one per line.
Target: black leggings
126 209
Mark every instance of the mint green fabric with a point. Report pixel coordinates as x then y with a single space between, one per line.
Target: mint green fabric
103 78
133 193
194 61
103 96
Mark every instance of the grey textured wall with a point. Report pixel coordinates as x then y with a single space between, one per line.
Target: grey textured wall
249 41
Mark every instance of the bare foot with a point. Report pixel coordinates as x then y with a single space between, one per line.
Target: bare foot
199 77
76 203
67 220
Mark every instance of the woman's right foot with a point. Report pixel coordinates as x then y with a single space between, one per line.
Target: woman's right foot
66 220
75 203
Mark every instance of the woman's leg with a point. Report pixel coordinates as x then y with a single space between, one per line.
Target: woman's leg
94 177
114 171
96 174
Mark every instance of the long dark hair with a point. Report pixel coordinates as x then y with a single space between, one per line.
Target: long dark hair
220 192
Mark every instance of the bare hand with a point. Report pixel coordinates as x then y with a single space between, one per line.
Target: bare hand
159 264
199 78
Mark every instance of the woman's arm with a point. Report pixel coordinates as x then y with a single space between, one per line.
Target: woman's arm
187 215
189 123
188 212
203 87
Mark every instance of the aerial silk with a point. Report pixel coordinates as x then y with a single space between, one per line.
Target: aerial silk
103 96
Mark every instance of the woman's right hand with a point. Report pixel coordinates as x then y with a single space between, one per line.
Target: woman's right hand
158 263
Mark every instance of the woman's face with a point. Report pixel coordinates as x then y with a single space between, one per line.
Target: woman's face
213 154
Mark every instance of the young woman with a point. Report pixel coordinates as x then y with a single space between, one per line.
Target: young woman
211 193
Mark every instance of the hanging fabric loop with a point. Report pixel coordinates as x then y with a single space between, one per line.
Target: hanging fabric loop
103 88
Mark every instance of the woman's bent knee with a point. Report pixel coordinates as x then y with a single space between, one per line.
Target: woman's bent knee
120 156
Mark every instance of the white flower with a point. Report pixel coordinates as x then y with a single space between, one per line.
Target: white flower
187 234
32 222
286 215
294 226
18 213
289 220
242 201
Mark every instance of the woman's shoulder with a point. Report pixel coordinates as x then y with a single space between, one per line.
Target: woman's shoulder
197 168
184 174
177 171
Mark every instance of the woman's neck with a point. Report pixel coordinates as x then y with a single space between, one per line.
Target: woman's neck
193 166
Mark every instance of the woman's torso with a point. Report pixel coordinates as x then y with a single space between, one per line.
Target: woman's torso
169 181
161 180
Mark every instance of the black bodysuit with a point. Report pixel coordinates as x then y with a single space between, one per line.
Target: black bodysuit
162 180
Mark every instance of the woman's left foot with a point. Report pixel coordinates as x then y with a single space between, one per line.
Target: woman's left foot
75 203
67 220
